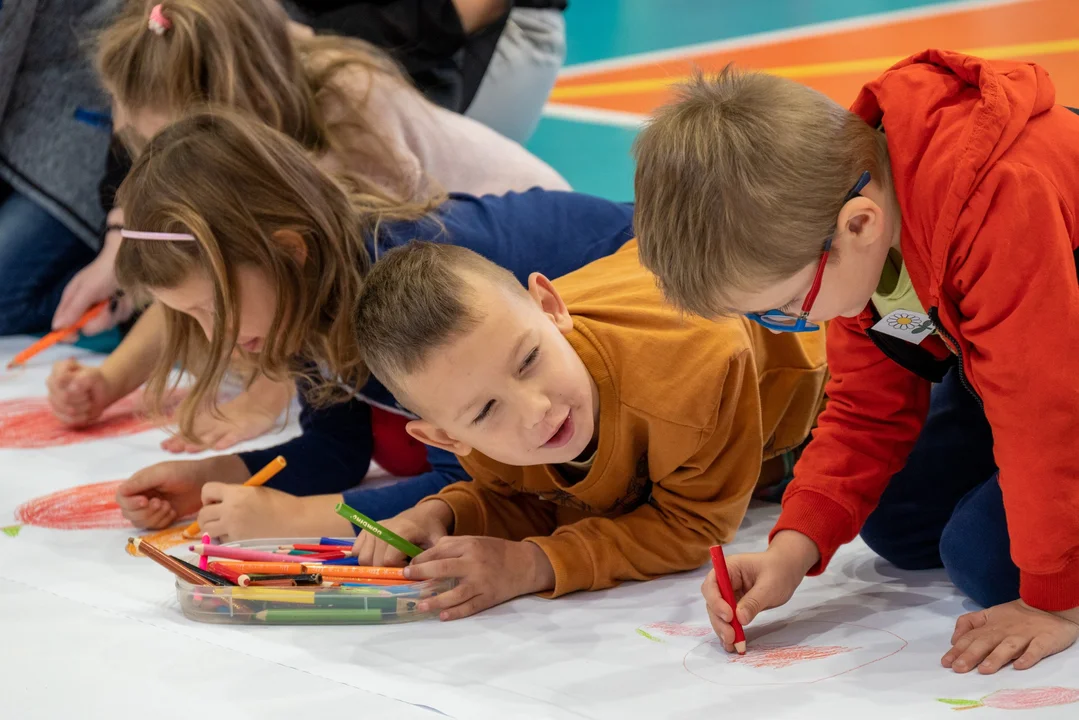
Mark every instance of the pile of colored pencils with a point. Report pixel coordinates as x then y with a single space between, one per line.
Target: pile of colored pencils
284 587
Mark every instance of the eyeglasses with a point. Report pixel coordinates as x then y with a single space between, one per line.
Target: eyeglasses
780 321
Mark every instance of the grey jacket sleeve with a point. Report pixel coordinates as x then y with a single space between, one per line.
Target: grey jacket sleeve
16 20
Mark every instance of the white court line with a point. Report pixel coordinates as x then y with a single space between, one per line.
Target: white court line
597 116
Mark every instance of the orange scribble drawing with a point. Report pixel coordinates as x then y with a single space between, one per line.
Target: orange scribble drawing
672 629
87 507
29 423
776 656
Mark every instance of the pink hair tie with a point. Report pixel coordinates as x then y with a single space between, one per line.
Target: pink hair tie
140 235
159 24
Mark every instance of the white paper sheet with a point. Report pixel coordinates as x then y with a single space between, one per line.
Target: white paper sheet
80 616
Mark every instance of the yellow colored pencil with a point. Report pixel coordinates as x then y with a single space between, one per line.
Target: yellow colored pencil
268 594
260 478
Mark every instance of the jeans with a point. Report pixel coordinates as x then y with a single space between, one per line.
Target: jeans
945 508
38 256
522 72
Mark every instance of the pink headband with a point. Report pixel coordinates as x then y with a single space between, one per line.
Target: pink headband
158 24
139 235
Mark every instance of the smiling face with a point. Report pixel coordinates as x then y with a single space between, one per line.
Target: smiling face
512 386
257 300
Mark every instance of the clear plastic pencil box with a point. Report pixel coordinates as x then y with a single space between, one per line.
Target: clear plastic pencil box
304 605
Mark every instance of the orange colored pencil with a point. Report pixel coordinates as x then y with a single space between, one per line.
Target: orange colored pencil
362 581
57 335
259 568
260 478
356 571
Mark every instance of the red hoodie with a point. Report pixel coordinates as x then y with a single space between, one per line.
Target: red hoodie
986 170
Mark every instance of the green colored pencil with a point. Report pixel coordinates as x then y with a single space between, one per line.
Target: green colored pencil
341 601
362 521
319 617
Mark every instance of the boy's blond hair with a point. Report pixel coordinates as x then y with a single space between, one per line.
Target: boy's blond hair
242 55
740 182
234 183
417 298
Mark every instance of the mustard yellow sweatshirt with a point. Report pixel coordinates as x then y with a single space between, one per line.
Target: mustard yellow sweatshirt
689 408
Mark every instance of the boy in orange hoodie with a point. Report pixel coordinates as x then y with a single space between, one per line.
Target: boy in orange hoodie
595 458
938 224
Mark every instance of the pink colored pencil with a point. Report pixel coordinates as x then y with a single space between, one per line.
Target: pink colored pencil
234 553
204 560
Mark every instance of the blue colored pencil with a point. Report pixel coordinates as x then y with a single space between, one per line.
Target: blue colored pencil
336 541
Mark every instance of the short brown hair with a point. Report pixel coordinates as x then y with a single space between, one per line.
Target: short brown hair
417 298
233 183
740 181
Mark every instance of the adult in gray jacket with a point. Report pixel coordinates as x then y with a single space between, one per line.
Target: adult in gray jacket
54 140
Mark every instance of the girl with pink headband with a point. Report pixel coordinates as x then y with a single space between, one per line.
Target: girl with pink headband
343 99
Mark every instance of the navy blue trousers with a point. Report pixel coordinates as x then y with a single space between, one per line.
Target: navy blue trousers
945 508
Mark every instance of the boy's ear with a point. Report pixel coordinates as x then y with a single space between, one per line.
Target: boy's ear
543 292
430 434
294 244
861 220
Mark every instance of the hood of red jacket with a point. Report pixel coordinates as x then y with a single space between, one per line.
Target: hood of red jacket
948 118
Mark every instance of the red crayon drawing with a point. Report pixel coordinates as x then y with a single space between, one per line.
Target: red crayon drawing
671 629
87 507
793 653
772 656
29 423
1018 699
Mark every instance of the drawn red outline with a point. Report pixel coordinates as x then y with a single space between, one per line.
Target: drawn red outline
685 657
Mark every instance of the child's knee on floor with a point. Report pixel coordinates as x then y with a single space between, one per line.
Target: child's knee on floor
891 539
976 550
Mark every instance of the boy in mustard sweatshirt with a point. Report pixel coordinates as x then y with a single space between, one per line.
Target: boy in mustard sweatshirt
609 436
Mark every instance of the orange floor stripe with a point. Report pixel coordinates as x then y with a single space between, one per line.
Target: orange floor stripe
840 62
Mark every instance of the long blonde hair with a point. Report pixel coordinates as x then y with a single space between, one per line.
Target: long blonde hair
234 184
241 54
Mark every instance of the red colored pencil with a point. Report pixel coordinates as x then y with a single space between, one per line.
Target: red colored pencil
318 557
726 590
225 571
320 549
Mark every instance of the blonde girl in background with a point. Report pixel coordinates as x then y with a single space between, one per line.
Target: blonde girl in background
344 100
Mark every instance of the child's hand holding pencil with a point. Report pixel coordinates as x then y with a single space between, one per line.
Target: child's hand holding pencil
758 582
422 525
